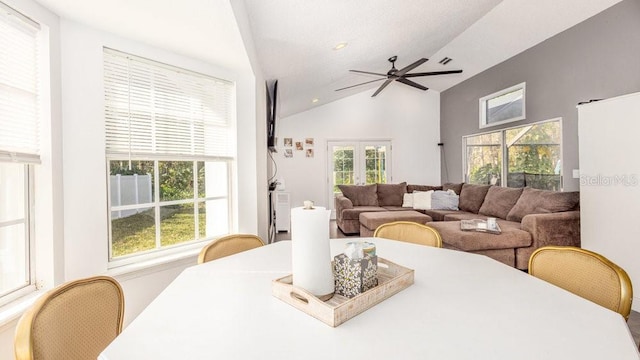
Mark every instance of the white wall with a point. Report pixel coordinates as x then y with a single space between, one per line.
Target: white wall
80 137
408 117
48 175
85 227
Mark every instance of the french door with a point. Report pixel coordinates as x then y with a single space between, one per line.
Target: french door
357 163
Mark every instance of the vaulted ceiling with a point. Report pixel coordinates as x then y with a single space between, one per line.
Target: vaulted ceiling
294 40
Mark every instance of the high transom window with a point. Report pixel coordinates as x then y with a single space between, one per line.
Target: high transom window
170 140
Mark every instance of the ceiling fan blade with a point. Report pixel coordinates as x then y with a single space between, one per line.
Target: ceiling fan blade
349 87
432 73
411 83
406 69
384 85
368 72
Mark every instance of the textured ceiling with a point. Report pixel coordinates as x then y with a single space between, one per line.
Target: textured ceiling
293 40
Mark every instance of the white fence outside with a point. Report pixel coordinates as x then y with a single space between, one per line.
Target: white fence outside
129 190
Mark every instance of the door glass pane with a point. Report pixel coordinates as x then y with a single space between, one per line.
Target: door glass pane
177 224
484 158
533 154
375 164
134 232
343 166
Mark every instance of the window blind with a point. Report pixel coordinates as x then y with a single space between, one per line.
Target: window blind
19 87
156 109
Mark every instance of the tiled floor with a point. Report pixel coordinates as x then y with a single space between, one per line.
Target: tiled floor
634 325
334 232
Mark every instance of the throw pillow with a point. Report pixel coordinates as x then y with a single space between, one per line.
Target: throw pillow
391 194
535 201
472 196
444 200
455 187
360 195
422 200
407 200
499 201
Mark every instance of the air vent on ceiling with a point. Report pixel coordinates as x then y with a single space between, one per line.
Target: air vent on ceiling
445 61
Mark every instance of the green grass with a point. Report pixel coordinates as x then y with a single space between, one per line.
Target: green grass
137 232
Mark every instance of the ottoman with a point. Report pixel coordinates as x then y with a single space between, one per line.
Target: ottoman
370 221
500 247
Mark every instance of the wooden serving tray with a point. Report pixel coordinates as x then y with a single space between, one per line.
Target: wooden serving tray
392 278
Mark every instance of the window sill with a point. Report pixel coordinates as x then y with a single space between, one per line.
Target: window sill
11 312
147 267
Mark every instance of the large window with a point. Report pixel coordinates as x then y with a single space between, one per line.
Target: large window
170 152
530 155
19 148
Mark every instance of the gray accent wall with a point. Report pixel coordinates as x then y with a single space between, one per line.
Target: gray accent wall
596 59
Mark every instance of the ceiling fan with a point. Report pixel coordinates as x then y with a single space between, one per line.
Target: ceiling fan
400 75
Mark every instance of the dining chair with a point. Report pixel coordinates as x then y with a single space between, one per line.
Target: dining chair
408 231
229 245
586 274
74 321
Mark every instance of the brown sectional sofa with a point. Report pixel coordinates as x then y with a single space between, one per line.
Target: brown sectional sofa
529 218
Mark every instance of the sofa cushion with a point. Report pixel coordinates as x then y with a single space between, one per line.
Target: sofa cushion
463 215
438 215
412 188
361 195
455 187
472 196
375 219
499 201
535 201
354 213
391 194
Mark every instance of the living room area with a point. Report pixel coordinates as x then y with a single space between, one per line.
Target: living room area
351 109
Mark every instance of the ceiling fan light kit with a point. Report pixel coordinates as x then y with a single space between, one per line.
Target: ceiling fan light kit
402 75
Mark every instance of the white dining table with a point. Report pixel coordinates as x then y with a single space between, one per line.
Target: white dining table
461 306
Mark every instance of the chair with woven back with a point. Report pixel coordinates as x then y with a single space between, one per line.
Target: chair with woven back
411 232
229 245
586 274
74 321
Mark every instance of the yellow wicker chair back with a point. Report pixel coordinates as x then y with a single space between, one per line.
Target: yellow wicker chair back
408 231
586 274
74 321
229 245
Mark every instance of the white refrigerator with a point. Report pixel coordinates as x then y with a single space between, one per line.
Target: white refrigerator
609 152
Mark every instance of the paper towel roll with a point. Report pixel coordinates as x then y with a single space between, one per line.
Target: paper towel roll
310 251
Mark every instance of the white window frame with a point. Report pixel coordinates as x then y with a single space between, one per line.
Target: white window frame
23 147
167 154
483 106
29 239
